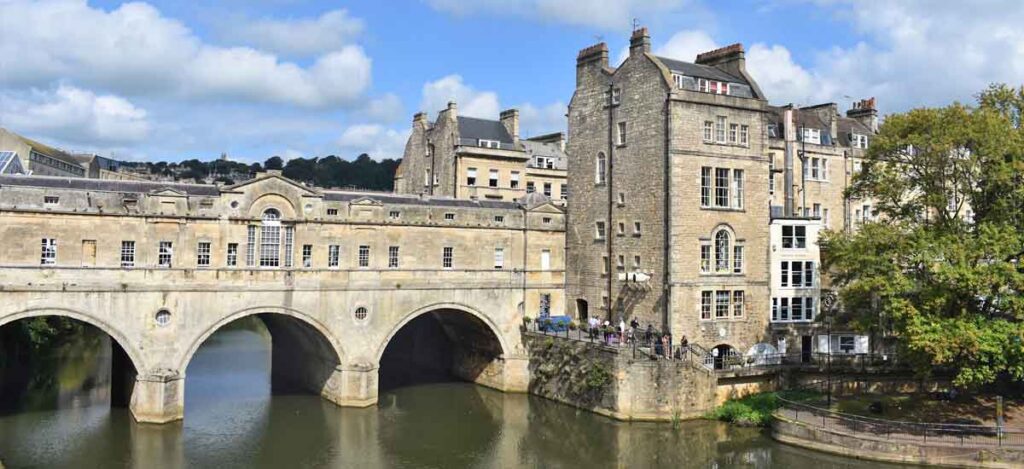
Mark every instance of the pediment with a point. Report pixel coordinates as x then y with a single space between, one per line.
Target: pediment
167 192
366 201
266 181
548 207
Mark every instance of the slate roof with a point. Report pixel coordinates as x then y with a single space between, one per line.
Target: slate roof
700 71
396 199
107 185
486 129
551 150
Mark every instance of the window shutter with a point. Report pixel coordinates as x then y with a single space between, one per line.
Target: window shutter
823 344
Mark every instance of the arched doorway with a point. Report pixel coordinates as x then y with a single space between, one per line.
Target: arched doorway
255 354
582 312
54 361
444 344
724 356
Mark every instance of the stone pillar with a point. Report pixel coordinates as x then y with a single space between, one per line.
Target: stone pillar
158 397
352 385
517 374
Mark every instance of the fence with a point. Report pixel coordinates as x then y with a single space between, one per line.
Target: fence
949 434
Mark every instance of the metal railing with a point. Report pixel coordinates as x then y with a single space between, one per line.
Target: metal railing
950 434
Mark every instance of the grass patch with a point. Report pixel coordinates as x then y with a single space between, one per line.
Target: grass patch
756 410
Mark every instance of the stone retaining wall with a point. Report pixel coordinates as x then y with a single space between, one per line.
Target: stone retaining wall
867 447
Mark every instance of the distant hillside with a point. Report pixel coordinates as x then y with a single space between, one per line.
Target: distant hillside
327 172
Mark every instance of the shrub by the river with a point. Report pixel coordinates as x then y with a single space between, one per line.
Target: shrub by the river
756 409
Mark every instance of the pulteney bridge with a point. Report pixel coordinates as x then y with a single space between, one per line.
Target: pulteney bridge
356 281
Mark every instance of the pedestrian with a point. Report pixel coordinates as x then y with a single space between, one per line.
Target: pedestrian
649 334
622 331
659 349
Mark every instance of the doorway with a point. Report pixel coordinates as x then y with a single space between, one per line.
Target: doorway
581 309
805 349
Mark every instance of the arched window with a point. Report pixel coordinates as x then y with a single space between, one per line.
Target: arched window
600 169
722 251
270 239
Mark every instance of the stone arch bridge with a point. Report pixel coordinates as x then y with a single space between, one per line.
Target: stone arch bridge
159 318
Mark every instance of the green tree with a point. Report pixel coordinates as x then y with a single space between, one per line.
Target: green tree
943 269
274 162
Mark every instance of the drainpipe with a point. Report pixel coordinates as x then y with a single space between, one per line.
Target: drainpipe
667 219
608 181
526 231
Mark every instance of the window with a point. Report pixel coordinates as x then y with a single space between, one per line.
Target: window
737 188
270 239
545 259
622 198
361 313
621 127
705 186
333 255
737 259
784 275
250 246
808 273
599 230
846 344
564 191
513 180
825 217
394 214
794 237
203 254
499 219
866 212
530 188
307 256
471 176
744 135
426 177
446 257
709 131
720 129
604 265
784 310
705 305
332 212
722 251
622 229
811 136
545 220
545 304
721 187
547 189
430 150
678 79
797 274
775 309
737 304
620 263
449 216
636 228
489 143
48 256
51 200
165 254
392 257
771 175
796 309
722 304
127 253
616 95
232 255
734 133
289 243
600 168
364 256
858 140
492 180
636 262
705 258
499 258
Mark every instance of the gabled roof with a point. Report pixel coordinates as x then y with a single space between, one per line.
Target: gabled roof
10 163
45 149
305 190
485 129
700 71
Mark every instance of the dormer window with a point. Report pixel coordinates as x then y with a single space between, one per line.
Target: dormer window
712 86
489 143
678 79
811 136
858 140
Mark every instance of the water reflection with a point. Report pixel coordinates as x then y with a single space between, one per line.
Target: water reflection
233 420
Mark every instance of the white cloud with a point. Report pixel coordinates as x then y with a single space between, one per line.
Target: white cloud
386 108
611 14
538 120
685 45
471 102
302 37
75 116
135 51
375 140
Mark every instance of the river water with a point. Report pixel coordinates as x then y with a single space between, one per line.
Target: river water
233 420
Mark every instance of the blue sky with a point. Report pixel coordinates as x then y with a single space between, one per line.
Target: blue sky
180 79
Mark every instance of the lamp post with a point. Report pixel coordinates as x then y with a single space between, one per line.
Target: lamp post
828 300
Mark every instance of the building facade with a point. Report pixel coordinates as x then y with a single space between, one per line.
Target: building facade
39 159
480 159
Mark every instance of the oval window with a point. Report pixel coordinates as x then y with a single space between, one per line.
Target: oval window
361 313
163 317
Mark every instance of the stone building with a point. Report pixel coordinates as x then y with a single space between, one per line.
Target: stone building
668 170
40 159
472 158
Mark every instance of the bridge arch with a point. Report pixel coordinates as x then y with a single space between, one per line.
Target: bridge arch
440 342
91 319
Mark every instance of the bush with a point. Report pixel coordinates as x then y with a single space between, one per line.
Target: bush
756 410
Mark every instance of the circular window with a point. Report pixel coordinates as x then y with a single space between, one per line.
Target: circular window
308 208
361 314
163 317
234 204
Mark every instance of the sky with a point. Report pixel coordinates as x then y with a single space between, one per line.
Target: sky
178 79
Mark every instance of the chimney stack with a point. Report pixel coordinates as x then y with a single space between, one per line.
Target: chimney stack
595 56
510 119
639 42
865 112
